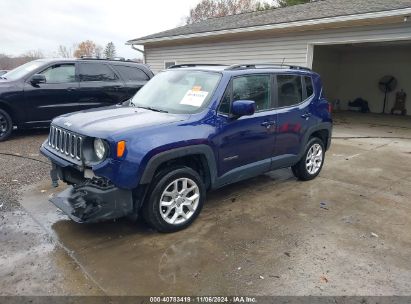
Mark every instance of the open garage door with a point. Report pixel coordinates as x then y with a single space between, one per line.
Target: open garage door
352 71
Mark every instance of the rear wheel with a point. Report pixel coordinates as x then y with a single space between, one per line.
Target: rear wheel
6 125
311 162
175 200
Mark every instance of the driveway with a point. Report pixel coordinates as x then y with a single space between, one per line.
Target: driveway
345 233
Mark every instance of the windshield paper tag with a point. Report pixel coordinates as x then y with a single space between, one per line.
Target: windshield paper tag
194 98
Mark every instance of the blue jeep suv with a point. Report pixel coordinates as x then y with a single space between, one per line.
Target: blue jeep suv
190 129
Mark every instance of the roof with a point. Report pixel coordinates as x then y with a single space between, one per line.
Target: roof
310 11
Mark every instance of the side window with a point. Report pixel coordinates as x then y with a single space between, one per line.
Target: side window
96 72
60 73
168 64
289 90
309 88
131 73
253 87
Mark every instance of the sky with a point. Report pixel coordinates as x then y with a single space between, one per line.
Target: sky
44 25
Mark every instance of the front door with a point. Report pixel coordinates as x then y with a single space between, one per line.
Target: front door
295 93
57 96
246 144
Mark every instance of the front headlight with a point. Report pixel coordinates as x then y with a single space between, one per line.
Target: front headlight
100 149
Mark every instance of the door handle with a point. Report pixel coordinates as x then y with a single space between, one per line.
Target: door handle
306 115
71 89
268 124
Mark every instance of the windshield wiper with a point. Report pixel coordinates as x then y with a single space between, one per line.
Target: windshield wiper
153 109
1 77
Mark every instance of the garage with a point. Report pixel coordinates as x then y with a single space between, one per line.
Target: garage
364 71
353 44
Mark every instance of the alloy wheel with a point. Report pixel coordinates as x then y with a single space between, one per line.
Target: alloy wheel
3 125
179 201
314 159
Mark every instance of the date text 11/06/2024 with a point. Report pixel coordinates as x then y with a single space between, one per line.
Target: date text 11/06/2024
203 299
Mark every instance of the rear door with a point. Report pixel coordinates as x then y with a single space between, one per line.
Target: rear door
59 95
133 77
294 96
99 85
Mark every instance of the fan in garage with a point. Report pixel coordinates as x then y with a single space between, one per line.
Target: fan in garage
387 84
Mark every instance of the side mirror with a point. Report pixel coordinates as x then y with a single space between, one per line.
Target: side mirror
38 78
243 108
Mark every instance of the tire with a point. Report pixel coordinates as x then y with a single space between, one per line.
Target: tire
6 125
170 209
304 170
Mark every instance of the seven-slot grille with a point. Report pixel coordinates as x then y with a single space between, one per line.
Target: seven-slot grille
65 142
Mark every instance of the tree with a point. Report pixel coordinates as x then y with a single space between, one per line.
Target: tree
218 8
283 3
64 52
87 48
33 55
98 52
110 50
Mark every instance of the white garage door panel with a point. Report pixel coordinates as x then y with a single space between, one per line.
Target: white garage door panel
274 49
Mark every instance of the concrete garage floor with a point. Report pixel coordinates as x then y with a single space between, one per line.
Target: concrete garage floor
348 232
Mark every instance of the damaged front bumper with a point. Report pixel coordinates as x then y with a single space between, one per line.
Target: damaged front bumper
92 202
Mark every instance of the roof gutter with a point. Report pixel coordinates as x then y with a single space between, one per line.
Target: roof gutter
311 22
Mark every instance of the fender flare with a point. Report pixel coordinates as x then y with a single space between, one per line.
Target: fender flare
322 126
162 157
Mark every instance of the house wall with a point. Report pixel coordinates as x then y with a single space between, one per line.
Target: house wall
350 72
292 48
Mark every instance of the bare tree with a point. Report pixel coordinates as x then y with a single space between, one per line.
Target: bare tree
218 8
64 52
10 62
98 52
33 54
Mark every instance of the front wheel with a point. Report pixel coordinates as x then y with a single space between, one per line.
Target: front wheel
311 162
175 200
6 125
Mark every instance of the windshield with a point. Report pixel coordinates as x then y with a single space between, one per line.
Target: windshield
178 91
22 70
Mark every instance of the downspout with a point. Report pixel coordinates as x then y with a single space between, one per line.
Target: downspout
141 51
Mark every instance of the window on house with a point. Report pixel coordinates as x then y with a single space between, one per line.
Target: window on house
168 64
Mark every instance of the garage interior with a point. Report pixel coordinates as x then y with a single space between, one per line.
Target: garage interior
351 71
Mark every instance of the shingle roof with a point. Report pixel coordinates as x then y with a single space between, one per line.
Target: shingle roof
315 10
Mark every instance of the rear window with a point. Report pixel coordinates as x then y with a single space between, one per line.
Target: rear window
96 72
289 90
131 73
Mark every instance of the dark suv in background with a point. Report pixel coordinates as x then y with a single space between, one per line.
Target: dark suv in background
34 93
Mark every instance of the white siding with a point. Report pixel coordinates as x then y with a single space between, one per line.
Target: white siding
292 48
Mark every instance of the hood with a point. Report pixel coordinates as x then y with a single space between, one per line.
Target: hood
107 121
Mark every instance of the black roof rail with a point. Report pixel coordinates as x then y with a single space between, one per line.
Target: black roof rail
265 65
190 65
107 59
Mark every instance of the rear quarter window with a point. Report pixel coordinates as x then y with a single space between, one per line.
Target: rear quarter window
96 72
131 73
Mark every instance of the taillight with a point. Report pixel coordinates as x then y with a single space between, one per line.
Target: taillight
330 107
